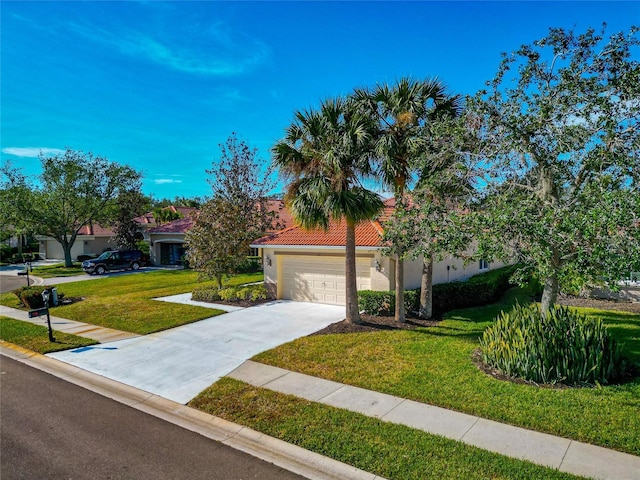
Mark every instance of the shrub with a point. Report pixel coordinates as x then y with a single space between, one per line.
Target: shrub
31 297
384 302
232 294
206 294
250 265
562 346
481 289
258 292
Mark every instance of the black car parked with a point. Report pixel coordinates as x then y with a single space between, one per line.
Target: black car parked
115 260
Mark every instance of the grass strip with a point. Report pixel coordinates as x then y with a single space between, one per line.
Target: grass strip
434 365
57 270
36 337
386 449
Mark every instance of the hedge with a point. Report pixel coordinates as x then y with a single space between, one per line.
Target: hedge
231 294
31 297
481 289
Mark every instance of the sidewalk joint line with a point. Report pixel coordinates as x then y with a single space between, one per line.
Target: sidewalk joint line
469 429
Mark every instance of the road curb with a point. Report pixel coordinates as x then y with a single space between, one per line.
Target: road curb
285 455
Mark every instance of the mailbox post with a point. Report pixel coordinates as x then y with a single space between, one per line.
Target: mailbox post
27 269
45 297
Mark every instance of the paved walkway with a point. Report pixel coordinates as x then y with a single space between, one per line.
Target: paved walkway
566 455
179 363
100 334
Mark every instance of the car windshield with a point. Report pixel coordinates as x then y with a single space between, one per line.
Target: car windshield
104 256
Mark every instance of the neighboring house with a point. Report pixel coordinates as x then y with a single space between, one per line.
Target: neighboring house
309 265
95 239
148 220
166 241
91 240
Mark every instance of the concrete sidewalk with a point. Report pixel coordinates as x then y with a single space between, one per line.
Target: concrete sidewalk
566 455
100 334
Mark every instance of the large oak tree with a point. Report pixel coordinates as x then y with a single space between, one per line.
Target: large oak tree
559 156
75 189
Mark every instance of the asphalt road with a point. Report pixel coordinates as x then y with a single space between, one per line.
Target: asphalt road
56 430
11 282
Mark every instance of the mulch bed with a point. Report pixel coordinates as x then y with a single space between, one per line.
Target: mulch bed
633 307
372 323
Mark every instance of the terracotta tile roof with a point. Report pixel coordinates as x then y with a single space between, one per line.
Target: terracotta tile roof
181 225
96 230
148 218
368 234
284 219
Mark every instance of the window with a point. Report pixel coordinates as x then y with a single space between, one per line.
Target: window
484 265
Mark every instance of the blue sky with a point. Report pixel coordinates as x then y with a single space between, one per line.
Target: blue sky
158 85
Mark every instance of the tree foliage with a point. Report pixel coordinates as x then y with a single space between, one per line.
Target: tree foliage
403 114
130 204
324 155
559 158
236 214
76 189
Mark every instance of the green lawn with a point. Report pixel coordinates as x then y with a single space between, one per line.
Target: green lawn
392 451
433 365
36 337
125 302
57 270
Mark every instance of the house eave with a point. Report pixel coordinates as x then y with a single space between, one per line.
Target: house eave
309 247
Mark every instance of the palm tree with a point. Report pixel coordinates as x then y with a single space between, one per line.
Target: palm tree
325 153
401 113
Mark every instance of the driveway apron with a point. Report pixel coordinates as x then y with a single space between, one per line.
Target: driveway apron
179 363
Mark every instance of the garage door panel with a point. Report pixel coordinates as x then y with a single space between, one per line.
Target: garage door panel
320 279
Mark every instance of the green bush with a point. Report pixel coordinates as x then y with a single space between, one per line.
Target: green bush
384 303
31 297
258 292
481 289
206 294
232 294
250 265
560 347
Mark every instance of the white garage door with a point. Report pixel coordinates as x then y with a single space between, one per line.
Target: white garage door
320 279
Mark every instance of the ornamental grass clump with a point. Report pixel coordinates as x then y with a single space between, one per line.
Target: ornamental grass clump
562 346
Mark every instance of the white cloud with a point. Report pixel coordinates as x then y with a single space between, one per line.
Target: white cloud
213 51
31 152
162 181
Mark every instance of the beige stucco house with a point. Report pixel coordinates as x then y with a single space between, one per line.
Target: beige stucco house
309 265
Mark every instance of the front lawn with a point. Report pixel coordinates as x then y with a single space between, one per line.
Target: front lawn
434 365
36 337
125 302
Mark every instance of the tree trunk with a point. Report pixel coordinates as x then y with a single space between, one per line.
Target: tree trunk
426 288
399 313
66 248
352 313
549 293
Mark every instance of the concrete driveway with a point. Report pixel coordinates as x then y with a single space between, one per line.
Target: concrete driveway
179 363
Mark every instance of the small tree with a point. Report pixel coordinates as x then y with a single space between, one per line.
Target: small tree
236 215
130 204
560 156
76 189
